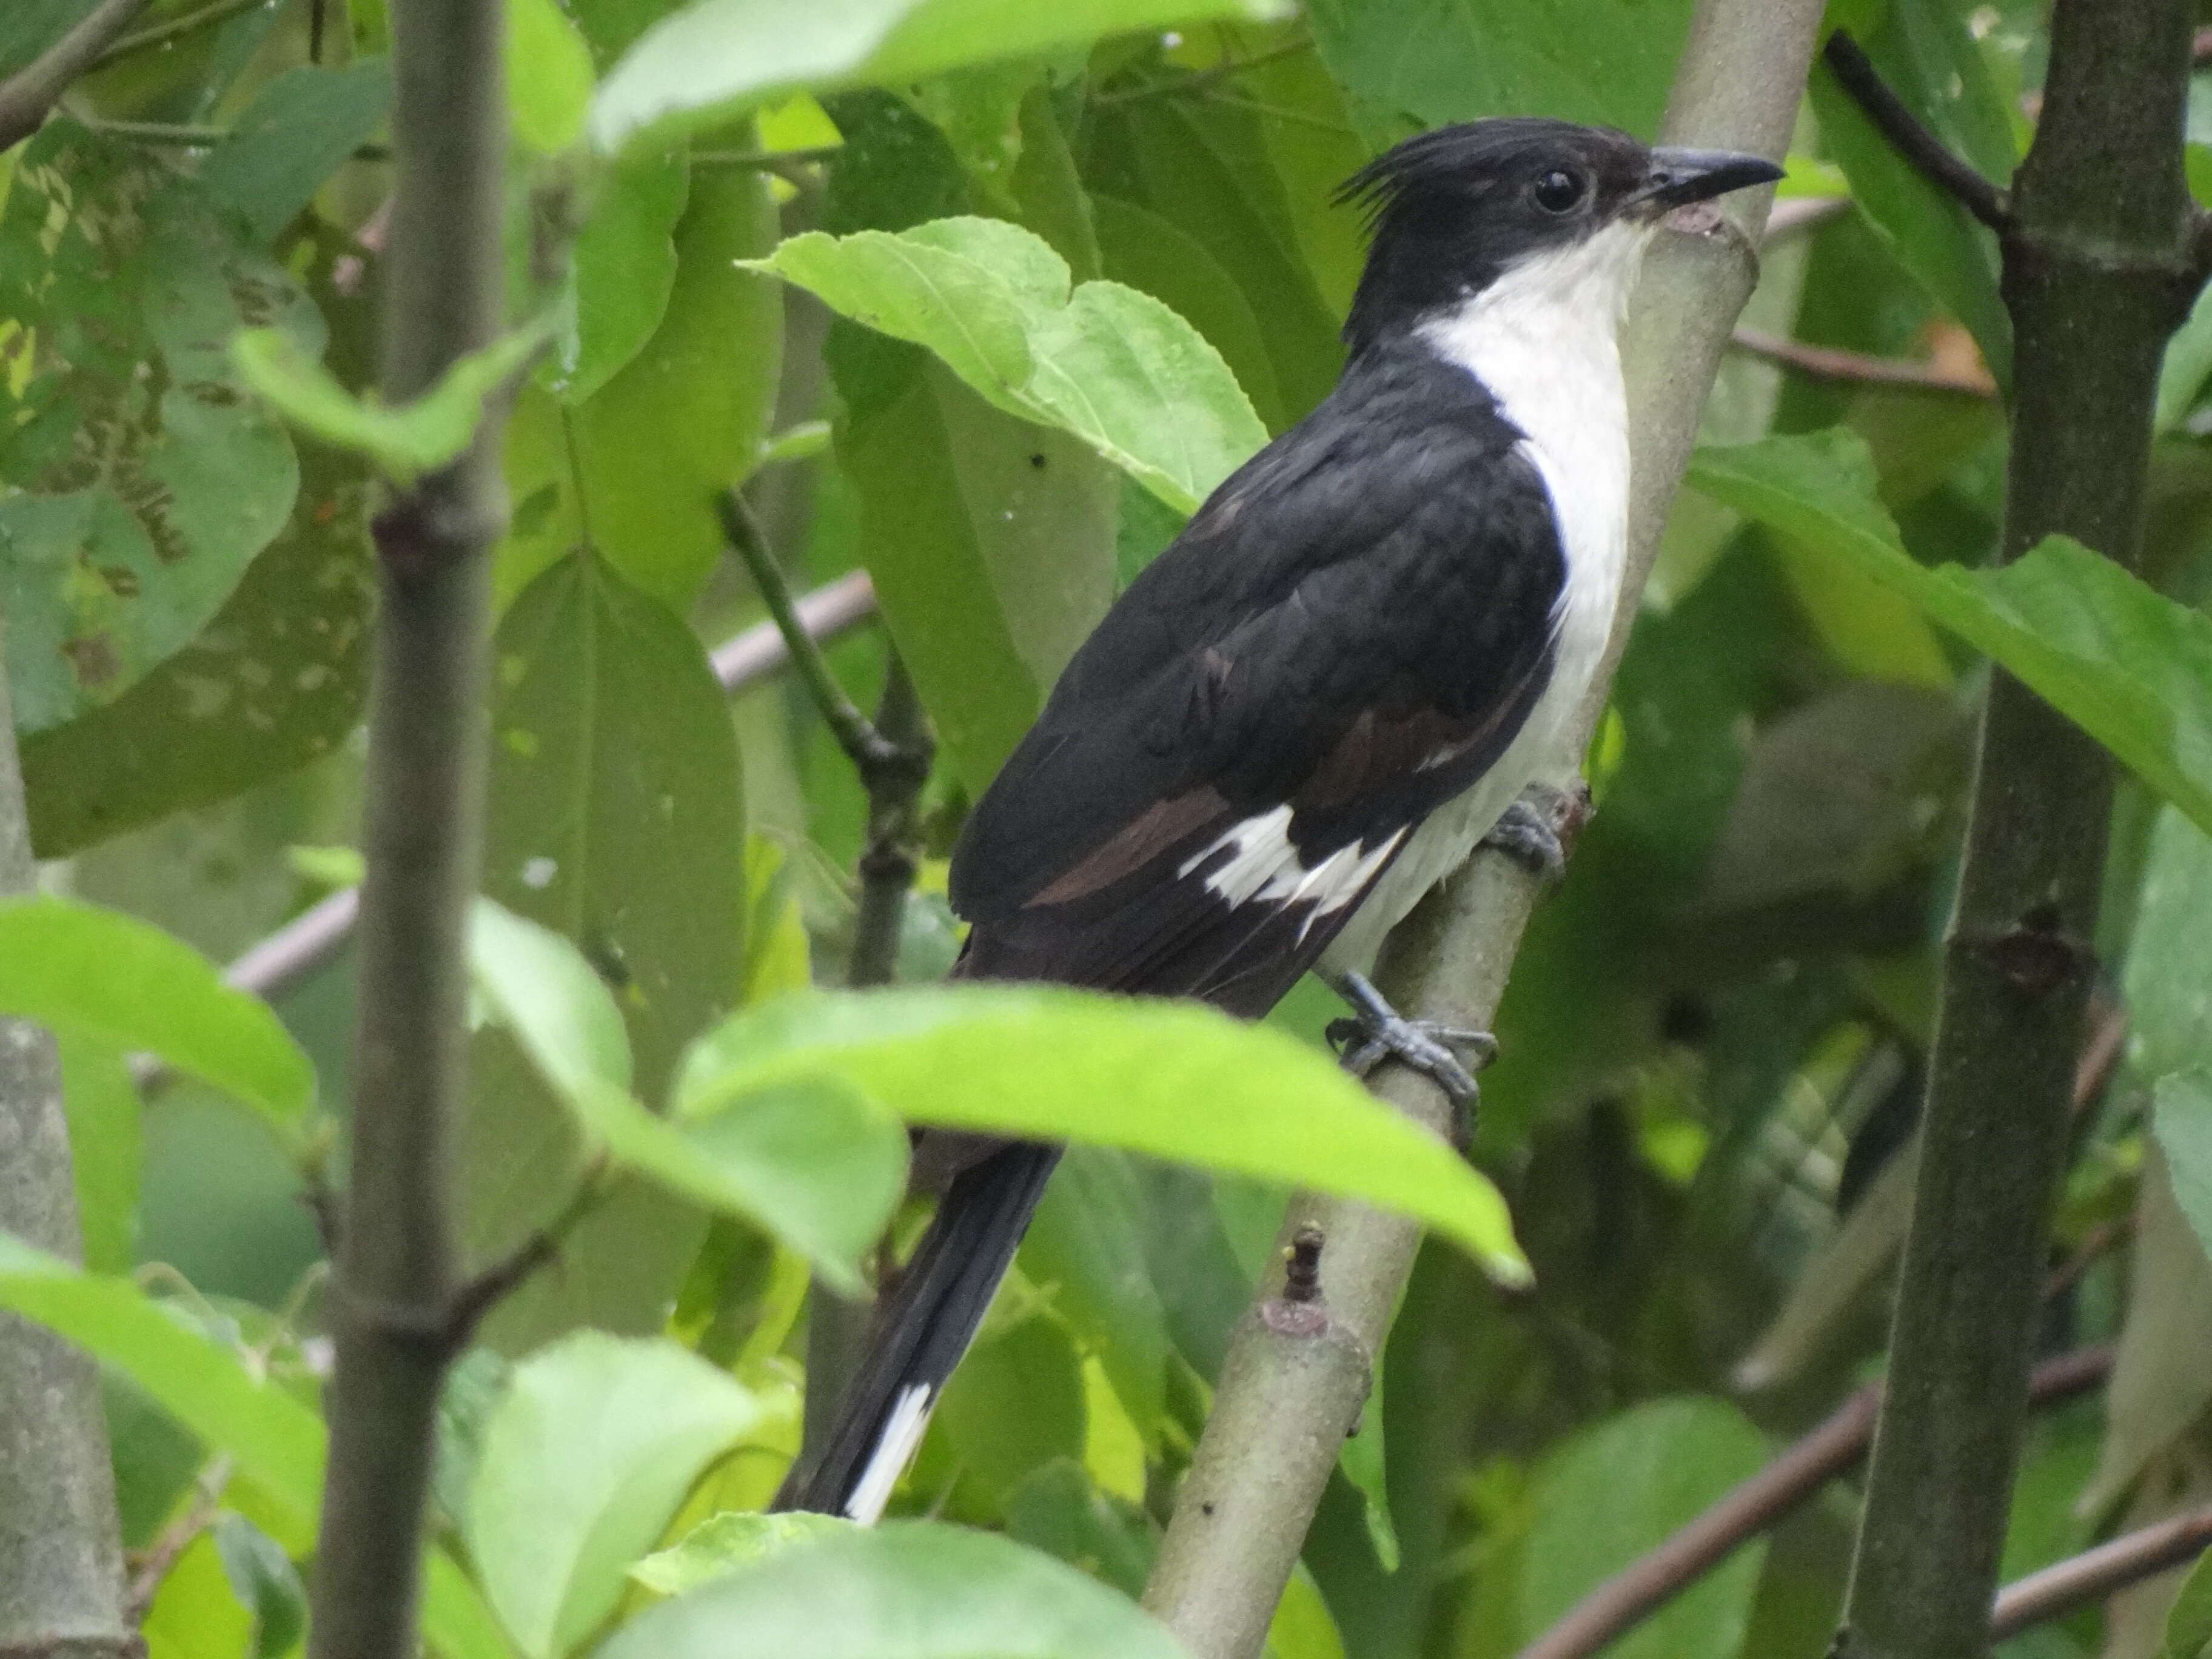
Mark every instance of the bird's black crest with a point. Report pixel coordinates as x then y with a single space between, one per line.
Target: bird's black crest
1449 209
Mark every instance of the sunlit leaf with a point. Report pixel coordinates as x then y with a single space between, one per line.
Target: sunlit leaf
1056 1064
585 1457
548 75
114 978
916 1589
722 1543
1107 363
716 58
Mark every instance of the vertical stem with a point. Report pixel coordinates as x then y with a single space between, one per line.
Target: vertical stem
61 1558
392 1293
2096 276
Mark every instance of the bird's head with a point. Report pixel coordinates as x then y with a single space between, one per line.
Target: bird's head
1454 209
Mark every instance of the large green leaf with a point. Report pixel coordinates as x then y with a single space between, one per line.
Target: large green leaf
276 1441
2168 985
616 821
112 977
1107 363
285 144
1427 62
634 470
815 1164
1055 1064
550 77
1086 1247
623 274
106 1148
716 58
586 1455
910 1590
136 480
2130 666
275 680
1620 1488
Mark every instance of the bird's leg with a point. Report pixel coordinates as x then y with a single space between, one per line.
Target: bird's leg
1532 831
1375 1032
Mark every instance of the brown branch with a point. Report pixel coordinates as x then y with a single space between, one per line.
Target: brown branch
31 90
2132 1557
1857 369
1790 1480
1910 137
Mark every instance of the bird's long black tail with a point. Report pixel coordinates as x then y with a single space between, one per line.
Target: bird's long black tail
920 1331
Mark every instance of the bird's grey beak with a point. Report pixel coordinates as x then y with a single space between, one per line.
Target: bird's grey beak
1679 177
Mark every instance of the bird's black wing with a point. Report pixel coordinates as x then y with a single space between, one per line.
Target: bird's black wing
1349 633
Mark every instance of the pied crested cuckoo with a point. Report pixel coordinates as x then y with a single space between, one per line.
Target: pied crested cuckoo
1330 690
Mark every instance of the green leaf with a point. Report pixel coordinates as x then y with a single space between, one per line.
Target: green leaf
549 77
1060 1509
2187 365
1085 1248
1111 364
2130 666
1014 1406
1055 1064
297 131
1619 1489
106 1147
112 978
2168 982
276 1441
634 470
623 272
263 1579
1607 61
540 988
1924 51
2184 1130
616 820
584 1461
716 58
916 1589
418 437
2189 1621
724 1542
137 481
274 680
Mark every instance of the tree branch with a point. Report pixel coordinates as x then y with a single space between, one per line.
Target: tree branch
31 91
2065 1585
394 1281
1286 1397
2096 276
1912 139
1856 368
1834 1448
61 1557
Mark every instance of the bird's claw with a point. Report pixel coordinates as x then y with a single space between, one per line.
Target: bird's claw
1375 1032
1524 833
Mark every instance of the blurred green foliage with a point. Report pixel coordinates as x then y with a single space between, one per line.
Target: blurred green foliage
1103 236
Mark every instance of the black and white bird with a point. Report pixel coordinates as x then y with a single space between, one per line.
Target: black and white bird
1330 688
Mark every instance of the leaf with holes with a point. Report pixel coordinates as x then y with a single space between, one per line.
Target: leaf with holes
138 478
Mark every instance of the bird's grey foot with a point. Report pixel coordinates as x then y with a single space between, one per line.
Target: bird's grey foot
1524 833
1375 1032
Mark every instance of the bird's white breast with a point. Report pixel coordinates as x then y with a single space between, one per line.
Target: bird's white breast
1544 340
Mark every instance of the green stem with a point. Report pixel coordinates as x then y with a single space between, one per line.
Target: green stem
2096 246
1290 1387
61 1557
396 1279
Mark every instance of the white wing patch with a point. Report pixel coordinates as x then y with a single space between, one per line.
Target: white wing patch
1264 865
895 1450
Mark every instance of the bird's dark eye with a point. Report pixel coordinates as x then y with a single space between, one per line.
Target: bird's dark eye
1558 190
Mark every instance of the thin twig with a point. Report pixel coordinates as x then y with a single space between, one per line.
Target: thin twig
484 1290
2127 1560
153 1564
162 33
1856 73
1790 1480
1199 80
1799 214
855 734
1857 369
30 92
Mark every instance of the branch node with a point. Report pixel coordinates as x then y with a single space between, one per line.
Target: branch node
1301 1266
2035 955
1912 137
